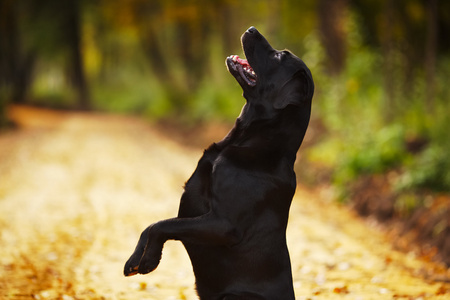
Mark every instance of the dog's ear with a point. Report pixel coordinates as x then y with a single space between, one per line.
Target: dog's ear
297 91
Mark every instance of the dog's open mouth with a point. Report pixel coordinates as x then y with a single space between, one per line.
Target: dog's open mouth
244 69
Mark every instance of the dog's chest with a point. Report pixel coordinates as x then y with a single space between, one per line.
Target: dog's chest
229 179
234 184
195 200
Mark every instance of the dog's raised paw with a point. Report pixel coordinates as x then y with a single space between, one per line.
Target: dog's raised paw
130 271
148 265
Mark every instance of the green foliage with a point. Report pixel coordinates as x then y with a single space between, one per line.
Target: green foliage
430 169
368 135
51 89
377 152
352 109
216 102
132 92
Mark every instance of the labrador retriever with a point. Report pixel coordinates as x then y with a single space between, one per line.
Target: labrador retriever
234 211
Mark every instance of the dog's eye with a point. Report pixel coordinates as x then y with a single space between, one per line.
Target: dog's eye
279 55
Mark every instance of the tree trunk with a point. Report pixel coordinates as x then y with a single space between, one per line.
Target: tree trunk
331 23
387 46
154 54
73 35
430 52
23 78
16 64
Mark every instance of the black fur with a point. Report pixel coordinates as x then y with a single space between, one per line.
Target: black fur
233 214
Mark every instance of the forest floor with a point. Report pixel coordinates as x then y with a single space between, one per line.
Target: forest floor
76 190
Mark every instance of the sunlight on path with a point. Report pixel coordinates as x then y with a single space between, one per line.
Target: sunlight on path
76 190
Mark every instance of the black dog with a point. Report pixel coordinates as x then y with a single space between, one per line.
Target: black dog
234 211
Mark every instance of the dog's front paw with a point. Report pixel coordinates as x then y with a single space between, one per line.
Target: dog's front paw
153 252
147 254
149 261
130 270
132 264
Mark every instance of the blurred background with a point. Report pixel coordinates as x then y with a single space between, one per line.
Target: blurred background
379 132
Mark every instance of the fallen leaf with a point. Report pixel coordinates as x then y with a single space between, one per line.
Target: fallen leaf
316 292
142 286
442 290
341 290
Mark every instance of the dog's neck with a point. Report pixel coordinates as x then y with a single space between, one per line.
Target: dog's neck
269 134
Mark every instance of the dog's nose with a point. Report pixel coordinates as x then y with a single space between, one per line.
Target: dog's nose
252 30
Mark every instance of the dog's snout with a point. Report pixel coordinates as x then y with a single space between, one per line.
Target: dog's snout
252 29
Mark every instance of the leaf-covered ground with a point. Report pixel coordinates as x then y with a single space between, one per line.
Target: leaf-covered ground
77 189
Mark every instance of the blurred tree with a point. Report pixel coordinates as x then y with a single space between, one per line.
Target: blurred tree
173 32
407 32
389 53
148 16
31 30
431 51
71 31
332 17
16 62
176 37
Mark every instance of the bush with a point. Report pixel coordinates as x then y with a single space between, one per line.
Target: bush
430 171
367 134
377 152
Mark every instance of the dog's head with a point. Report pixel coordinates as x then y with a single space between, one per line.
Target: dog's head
274 79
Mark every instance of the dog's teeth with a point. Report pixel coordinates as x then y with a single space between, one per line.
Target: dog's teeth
234 58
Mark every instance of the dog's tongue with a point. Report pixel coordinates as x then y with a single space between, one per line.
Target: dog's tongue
243 62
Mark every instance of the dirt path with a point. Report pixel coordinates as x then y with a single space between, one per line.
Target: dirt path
76 190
